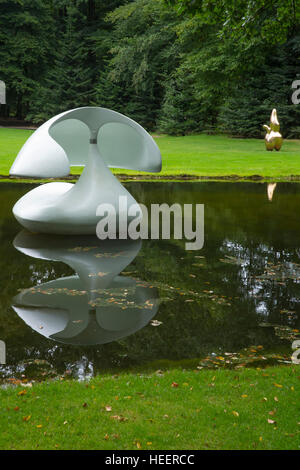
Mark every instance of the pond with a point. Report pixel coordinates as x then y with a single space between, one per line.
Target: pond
75 306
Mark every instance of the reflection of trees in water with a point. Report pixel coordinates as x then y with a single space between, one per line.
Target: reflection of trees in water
189 328
241 227
270 277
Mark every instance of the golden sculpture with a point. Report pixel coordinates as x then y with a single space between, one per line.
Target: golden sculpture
273 138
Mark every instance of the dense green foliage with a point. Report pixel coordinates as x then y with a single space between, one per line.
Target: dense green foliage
246 19
176 66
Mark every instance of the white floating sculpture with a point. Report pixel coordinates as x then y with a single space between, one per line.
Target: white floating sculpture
94 306
95 137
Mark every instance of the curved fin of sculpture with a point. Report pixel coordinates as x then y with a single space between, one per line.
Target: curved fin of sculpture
64 140
41 157
274 121
95 137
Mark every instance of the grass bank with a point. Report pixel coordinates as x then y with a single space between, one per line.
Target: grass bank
198 155
178 409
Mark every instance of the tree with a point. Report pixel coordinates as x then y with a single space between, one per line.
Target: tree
247 20
216 66
252 100
142 55
196 88
68 83
26 44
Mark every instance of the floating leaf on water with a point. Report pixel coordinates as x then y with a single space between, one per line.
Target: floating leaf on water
232 260
156 323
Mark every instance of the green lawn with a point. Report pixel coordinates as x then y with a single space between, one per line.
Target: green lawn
201 155
178 409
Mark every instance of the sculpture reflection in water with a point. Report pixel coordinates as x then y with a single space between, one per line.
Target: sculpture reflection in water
94 306
270 190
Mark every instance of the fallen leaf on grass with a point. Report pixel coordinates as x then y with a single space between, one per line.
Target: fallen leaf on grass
29 385
174 384
119 418
26 418
235 413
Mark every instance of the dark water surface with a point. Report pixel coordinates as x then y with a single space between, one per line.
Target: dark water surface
78 306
